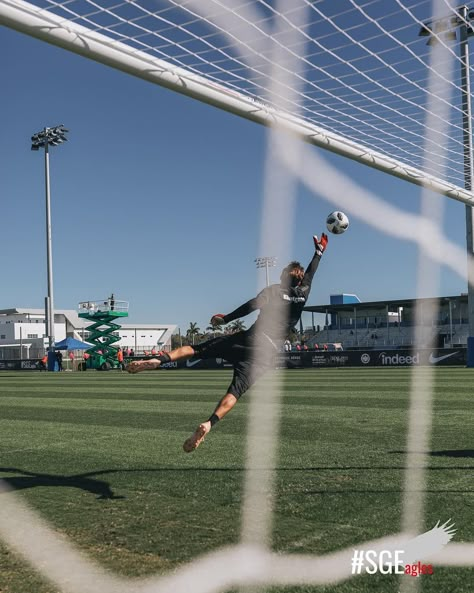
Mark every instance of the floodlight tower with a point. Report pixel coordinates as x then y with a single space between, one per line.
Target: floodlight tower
44 139
266 262
448 27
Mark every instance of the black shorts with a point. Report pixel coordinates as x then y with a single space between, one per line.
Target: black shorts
250 355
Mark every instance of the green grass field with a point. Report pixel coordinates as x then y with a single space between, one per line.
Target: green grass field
99 456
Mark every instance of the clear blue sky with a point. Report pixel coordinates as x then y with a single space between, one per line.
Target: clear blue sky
157 198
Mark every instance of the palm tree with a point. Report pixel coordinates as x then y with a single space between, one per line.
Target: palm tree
236 326
214 329
193 331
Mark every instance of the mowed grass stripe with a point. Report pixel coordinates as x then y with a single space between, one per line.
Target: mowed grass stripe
202 376
110 473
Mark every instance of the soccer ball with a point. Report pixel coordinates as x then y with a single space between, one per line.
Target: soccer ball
337 222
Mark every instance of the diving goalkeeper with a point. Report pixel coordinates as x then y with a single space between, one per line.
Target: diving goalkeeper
251 351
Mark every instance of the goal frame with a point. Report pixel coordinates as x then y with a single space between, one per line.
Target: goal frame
31 20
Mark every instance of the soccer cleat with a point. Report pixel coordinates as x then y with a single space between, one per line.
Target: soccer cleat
137 366
193 442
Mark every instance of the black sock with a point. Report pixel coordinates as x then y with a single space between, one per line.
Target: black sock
213 419
163 358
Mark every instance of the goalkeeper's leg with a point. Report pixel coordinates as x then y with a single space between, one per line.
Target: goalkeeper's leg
137 366
223 407
210 349
245 374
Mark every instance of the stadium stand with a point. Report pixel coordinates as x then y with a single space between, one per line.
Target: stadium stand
389 324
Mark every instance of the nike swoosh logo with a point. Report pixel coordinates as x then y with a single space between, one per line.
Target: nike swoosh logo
435 359
191 363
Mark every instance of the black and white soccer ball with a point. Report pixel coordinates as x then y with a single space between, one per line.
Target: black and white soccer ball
337 222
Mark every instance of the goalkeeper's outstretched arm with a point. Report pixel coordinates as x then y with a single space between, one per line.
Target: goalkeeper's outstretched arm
245 309
319 248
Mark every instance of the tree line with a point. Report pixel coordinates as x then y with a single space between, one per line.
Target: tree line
194 334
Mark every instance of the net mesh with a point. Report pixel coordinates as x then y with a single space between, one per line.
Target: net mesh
362 66
361 71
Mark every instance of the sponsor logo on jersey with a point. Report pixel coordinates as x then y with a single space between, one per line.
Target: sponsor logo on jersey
435 359
294 299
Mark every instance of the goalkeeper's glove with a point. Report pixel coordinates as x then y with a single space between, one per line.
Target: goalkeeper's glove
320 244
218 319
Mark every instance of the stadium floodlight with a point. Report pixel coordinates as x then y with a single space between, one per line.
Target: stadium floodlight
44 139
448 28
266 262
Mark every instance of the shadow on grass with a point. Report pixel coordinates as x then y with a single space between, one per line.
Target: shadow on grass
453 453
102 489
85 482
462 453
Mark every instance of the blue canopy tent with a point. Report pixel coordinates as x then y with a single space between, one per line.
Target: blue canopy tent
66 344
71 344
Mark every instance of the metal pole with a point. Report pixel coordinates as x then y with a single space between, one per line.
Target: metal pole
399 328
46 315
450 324
49 252
266 262
327 327
355 322
468 172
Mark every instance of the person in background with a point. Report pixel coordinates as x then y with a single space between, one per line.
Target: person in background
43 363
120 359
59 359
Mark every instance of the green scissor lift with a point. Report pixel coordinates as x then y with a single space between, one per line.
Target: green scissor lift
104 316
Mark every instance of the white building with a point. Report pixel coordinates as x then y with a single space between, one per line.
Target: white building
23 332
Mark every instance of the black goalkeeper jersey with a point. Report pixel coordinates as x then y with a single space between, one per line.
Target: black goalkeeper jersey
280 306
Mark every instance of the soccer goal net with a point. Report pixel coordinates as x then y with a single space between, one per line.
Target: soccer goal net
381 82
361 87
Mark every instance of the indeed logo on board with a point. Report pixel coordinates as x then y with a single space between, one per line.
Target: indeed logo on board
398 359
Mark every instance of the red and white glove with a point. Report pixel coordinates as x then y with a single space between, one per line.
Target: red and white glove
320 244
218 319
